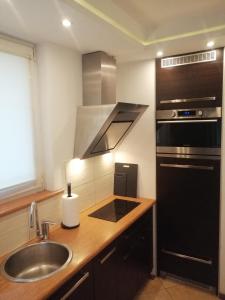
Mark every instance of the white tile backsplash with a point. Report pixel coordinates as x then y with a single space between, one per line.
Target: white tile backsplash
82 172
103 165
86 194
103 187
92 180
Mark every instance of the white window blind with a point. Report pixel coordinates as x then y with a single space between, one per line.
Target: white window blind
17 155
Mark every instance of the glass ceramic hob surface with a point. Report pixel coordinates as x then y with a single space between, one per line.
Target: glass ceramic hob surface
114 210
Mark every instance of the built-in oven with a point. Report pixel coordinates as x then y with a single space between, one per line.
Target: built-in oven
189 131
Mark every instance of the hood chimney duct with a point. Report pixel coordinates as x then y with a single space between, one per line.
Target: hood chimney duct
99 79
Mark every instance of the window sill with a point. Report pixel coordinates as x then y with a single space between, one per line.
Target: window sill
22 202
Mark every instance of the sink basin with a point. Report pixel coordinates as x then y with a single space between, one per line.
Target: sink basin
36 261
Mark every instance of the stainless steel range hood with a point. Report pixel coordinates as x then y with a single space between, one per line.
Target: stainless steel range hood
102 123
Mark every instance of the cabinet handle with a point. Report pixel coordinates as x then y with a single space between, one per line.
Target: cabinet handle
188 100
196 167
200 260
104 259
76 285
188 121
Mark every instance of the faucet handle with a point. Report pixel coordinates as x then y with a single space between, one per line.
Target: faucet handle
45 228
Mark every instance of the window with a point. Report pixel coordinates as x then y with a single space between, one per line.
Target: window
18 157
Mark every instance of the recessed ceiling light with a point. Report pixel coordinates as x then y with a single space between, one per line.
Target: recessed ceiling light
159 54
210 44
66 23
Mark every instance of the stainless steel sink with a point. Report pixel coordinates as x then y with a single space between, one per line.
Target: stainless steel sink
36 261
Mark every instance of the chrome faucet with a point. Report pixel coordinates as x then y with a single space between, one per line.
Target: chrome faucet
41 231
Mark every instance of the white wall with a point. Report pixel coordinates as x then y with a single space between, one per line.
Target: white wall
222 205
136 84
60 91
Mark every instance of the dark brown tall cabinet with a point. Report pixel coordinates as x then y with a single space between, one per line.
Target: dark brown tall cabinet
188 164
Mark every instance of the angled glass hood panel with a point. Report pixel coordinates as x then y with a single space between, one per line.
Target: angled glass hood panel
99 128
112 136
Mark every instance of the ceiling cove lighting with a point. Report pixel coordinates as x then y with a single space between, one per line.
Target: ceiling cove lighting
66 23
100 14
210 44
159 54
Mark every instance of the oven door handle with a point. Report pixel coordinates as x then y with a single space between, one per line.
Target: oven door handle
189 121
196 167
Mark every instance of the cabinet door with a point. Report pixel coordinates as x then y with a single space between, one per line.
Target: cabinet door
79 287
105 274
188 218
190 85
127 276
135 256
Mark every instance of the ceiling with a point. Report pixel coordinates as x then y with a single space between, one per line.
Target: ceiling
127 29
153 15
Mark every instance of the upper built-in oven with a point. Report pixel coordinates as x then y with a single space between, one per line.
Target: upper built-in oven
189 131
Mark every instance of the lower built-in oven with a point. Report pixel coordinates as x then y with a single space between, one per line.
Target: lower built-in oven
189 131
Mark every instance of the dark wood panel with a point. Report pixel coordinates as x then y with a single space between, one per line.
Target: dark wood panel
190 81
188 218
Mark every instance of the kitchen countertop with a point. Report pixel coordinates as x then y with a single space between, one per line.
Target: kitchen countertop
86 241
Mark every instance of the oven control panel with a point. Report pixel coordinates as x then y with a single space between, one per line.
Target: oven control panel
186 113
197 113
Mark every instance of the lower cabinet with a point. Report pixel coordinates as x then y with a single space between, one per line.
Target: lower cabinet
79 287
135 257
119 271
105 273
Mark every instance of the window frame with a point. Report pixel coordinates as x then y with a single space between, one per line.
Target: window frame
27 50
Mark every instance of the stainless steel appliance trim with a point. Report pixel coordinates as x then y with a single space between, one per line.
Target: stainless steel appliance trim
189 150
104 259
188 100
189 121
208 157
201 113
197 167
76 285
192 258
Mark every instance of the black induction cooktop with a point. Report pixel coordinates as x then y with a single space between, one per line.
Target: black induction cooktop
114 210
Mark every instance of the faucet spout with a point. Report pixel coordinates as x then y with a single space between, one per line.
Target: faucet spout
42 231
34 218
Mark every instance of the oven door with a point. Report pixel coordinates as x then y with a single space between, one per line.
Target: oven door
189 136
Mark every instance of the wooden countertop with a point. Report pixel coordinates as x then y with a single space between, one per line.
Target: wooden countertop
86 241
